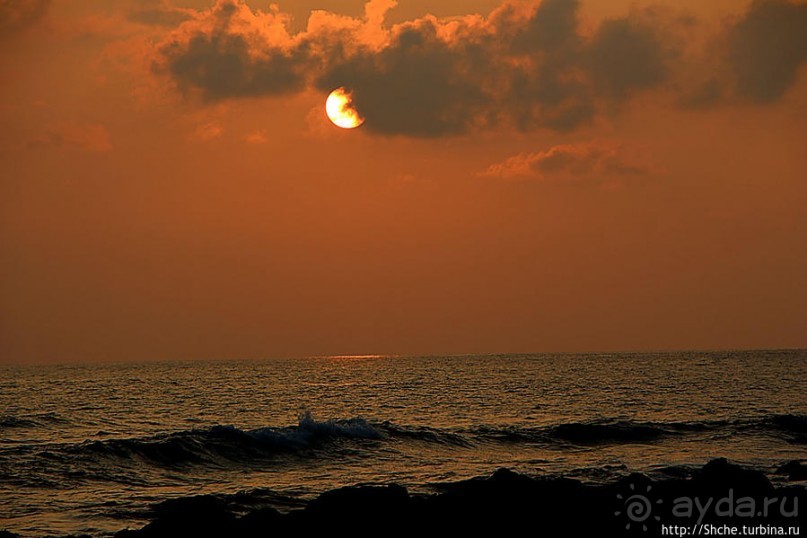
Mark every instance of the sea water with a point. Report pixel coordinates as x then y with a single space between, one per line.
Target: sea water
88 449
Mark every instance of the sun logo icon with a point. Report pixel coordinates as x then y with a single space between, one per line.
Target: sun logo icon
637 507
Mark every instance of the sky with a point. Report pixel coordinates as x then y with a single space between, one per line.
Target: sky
593 175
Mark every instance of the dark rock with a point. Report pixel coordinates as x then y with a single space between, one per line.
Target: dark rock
795 470
200 516
502 504
259 523
719 474
365 505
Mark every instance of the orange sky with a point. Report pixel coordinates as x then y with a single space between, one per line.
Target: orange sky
608 175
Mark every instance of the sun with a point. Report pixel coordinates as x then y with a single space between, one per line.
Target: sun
340 109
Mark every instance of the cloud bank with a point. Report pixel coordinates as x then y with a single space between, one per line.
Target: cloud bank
530 66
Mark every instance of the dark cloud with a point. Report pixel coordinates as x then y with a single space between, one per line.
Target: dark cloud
548 91
767 47
626 56
527 66
412 85
16 15
551 97
223 61
552 28
428 77
222 66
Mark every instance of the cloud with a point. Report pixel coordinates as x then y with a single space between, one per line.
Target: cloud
593 160
208 131
420 84
256 137
90 137
525 65
16 15
230 51
625 56
767 47
158 13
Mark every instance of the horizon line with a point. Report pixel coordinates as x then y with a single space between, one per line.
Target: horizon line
368 356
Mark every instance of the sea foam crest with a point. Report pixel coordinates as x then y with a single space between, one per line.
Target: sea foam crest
309 431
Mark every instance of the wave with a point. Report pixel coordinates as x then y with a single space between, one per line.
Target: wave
789 426
36 420
790 423
426 434
794 427
223 445
593 432
220 443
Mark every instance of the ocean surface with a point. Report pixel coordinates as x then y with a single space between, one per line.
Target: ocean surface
88 449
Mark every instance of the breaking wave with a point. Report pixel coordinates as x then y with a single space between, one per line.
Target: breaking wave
224 445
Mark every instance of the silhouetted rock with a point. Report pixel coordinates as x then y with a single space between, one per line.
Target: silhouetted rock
258 522
359 500
502 504
719 474
201 516
795 470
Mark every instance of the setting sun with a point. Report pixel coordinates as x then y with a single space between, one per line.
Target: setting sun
340 110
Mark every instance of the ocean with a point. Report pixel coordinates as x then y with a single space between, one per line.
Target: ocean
88 449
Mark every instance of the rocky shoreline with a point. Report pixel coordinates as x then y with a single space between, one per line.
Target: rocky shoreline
718 497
